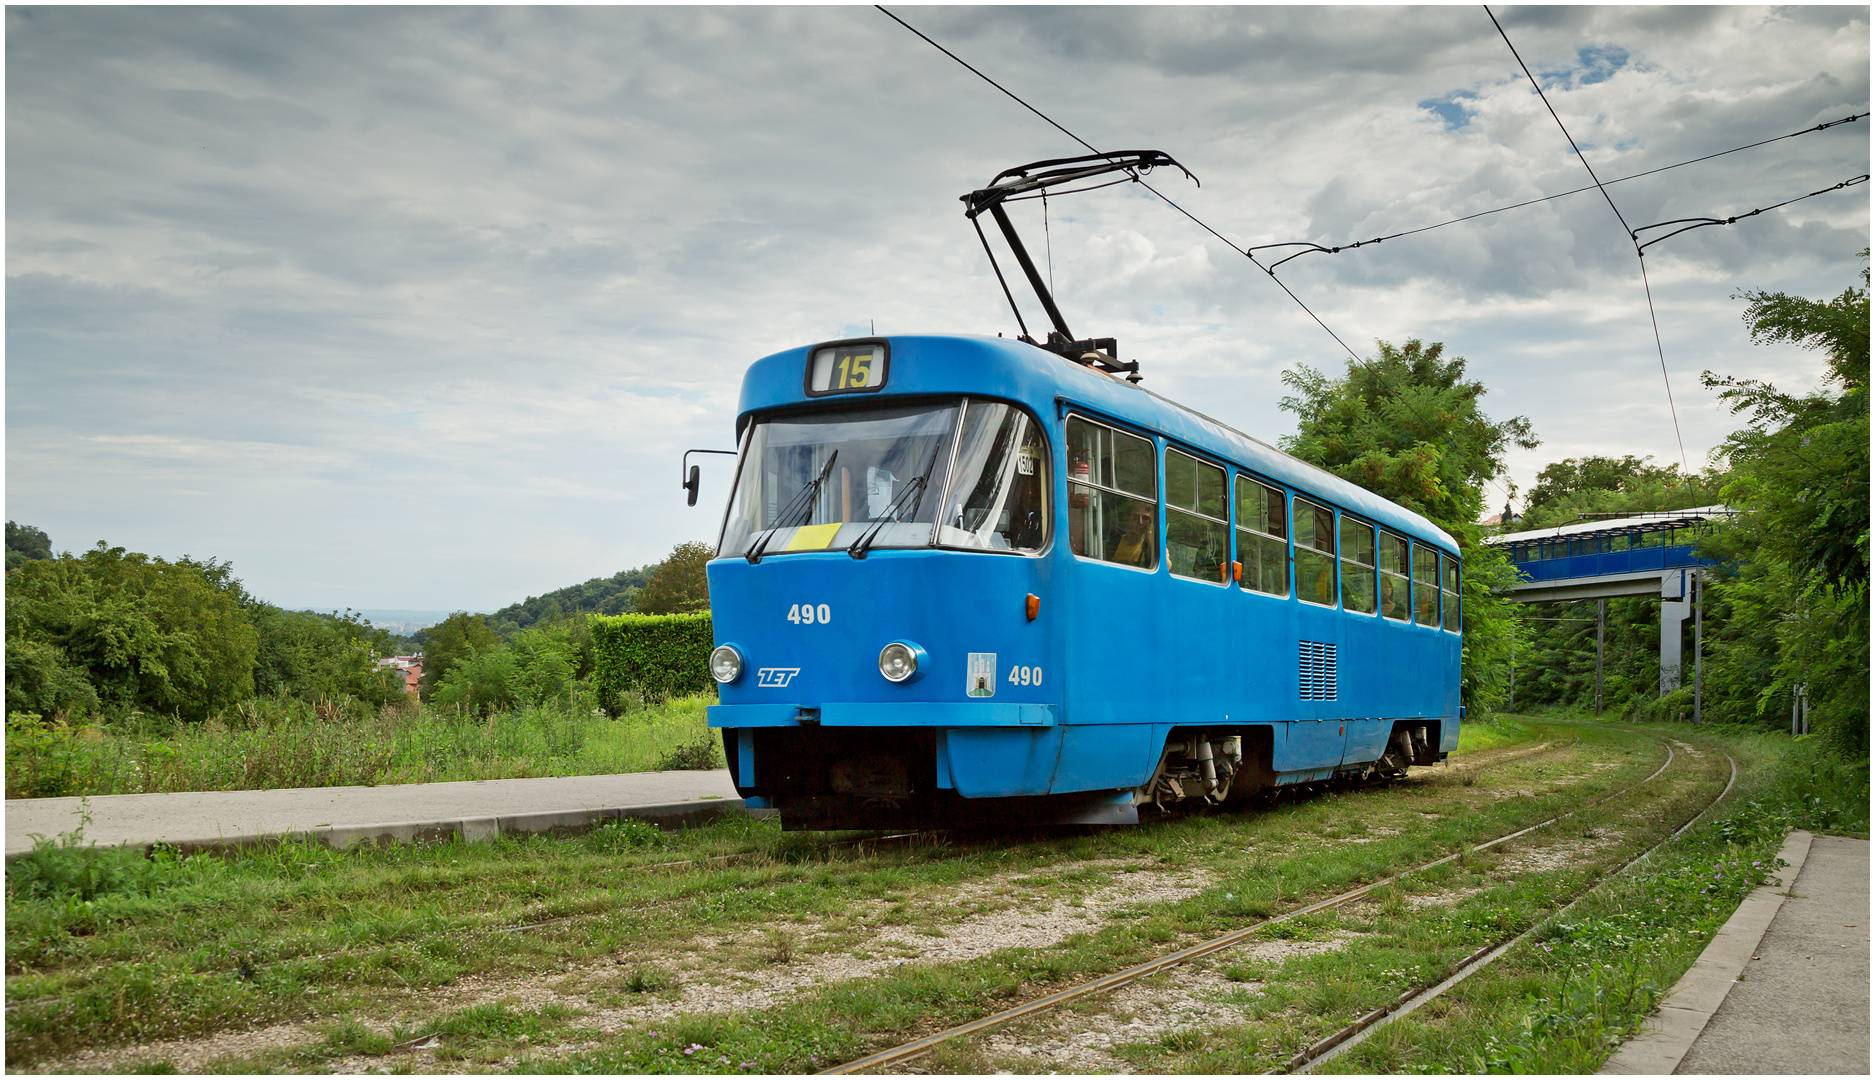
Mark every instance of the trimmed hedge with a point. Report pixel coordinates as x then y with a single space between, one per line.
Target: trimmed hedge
658 656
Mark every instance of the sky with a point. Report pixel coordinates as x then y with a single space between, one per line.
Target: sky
419 308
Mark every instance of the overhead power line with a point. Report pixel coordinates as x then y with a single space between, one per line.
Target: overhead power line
1142 182
1092 149
1012 96
1320 249
1651 315
1700 223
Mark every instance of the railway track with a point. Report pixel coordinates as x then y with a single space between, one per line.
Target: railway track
963 840
1353 1033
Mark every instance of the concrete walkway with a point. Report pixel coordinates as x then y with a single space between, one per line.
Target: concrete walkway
338 816
1784 986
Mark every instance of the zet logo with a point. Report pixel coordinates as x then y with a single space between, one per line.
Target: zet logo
776 677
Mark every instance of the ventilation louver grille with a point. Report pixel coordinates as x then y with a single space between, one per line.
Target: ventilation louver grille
1317 662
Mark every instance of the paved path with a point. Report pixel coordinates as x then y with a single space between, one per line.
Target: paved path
1783 988
1803 1003
338 816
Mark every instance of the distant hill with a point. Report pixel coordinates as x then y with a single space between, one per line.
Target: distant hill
599 596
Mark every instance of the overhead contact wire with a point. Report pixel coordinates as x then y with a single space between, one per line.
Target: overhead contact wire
1319 249
1700 223
1090 146
1092 149
1654 318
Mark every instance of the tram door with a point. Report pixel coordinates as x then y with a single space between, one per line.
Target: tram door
1318 738
1114 708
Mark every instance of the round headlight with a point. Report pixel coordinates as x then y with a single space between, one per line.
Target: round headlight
725 664
899 661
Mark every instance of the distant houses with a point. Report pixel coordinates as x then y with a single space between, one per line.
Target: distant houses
411 666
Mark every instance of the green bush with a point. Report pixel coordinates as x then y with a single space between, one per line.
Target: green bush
167 637
482 682
69 868
42 680
534 668
321 657
658 656
704 752
41 760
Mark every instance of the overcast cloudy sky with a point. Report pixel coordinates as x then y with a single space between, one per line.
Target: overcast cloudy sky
418 307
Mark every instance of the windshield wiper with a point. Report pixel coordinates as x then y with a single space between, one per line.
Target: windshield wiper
802 503
917 484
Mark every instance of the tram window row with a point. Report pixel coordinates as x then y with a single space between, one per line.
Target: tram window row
1339 560
1603 543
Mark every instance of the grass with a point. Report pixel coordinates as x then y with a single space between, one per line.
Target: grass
366 942
207 943
1564 1001
280 744
1402 936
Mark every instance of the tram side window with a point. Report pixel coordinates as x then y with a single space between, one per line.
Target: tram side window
1448 567
1000 495
1425 586
1197 536
1315 553
1113 495
1357 565
1262 537
1393 570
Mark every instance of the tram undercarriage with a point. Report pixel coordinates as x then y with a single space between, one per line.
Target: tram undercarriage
888 778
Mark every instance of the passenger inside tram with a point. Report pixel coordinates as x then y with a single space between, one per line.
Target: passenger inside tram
1390 605
1137 543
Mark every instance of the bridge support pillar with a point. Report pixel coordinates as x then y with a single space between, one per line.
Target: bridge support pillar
1675 605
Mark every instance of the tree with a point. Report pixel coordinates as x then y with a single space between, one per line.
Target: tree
1406 425
679 584
1567 489
167 637
602 596
1800 474
1803 462
25 544
321 657
451 642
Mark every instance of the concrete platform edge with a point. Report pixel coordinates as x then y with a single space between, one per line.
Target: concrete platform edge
677 815
1687 1008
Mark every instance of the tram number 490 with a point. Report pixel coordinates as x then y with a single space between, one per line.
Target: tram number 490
809 614
1025 676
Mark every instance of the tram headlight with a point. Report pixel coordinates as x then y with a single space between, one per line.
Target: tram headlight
901 662
725 664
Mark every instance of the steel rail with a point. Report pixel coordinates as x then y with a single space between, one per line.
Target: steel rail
918 1047
1358 1032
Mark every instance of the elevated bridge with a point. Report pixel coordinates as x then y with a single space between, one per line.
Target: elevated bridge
1649 554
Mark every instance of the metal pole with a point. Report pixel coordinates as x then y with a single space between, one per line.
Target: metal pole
1699 608
1601 625
1512 707
1028 268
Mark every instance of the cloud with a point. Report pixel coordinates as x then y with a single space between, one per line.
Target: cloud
419 307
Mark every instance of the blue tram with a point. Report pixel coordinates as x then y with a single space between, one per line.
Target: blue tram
964 580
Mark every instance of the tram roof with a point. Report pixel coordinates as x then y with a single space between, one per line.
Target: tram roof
1656 519
1018 371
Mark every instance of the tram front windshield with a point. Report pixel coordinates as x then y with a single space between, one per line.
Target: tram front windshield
885 476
